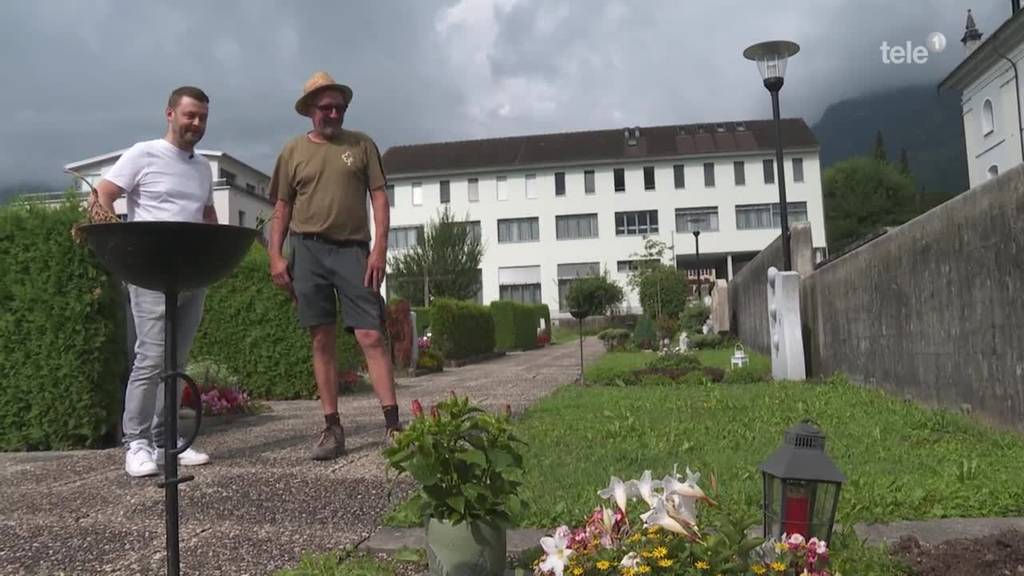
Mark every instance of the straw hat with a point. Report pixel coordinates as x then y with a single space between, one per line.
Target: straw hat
317 82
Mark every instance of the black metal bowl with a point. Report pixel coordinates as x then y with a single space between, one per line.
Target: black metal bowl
167 256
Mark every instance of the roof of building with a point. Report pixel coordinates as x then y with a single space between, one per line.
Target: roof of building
597 146
117 153
986 55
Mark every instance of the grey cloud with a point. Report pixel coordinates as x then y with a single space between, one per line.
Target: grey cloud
83 78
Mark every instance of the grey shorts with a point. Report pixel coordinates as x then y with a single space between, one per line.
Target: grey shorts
324 273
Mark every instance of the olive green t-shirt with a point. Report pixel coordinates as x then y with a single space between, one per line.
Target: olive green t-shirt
327 184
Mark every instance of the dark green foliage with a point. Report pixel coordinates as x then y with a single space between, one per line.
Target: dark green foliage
448 256
645 335
430 360
460 329
663 290
542 311
422 319
676 361
746 375
693 318
62 335
515 325
614 339
249 327
707 341
863 195
594 295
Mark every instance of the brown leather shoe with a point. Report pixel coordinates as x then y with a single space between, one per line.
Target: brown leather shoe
331 443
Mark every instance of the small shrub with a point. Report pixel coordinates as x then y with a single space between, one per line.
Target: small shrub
656 380
645 336
713 374
676 361
693 318
460 329
614 339
745 375
706 341
668 327
430 360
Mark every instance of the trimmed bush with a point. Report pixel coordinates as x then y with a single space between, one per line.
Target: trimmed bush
62 334
746 375
515 325
541 311
677 361
461 329
614 339
645 336
250 327
422 319
706 341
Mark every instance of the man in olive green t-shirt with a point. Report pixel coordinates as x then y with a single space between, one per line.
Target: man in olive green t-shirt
319 187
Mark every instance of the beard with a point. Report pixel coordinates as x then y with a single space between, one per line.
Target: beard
329 130
190 135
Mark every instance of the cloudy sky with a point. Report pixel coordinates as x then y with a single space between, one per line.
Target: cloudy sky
87 77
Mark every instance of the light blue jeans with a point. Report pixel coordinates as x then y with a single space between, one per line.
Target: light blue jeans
144 397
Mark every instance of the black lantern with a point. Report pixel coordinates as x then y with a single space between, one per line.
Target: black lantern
801 486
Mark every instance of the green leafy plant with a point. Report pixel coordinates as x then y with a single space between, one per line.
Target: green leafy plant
614 339
466 461
645 335
693 318
594 295
430 360
746 375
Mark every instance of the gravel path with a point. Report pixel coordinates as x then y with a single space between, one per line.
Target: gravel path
260 504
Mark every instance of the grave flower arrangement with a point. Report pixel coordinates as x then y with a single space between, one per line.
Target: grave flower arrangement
666 538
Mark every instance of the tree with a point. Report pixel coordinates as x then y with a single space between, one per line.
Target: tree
863 195
445 261
662 288
880 148
594 295
905 163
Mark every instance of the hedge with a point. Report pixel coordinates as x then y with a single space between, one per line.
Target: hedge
542 311
422 319
249 326
515 325
62 334
461 329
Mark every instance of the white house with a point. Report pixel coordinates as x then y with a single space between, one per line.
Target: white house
989 81
553 207
239 190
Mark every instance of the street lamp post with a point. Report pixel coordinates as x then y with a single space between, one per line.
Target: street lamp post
696 240
771 63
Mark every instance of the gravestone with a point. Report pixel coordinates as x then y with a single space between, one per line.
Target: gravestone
785 337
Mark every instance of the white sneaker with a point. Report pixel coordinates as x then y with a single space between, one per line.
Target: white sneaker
190 457
138 460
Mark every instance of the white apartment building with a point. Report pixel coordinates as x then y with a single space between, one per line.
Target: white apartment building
240 192
989 81
553 207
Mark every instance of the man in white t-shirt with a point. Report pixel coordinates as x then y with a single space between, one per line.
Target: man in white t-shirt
163 180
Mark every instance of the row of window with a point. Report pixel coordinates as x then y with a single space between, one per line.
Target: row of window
590 186
634 223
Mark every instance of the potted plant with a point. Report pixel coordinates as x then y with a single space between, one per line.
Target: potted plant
468 466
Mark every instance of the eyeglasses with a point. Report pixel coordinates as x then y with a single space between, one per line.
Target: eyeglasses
328 108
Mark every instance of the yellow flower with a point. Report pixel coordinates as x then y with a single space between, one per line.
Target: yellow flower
643 569
577 571
603 564
627 572
702 565
664 562
660 552
646 553
780 547
778 566
633 538
758 569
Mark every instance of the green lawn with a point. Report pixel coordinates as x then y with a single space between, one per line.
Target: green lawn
349 563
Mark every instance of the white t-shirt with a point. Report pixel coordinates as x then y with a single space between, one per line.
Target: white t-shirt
162 183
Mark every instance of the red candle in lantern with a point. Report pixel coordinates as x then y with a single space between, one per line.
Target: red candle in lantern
796 511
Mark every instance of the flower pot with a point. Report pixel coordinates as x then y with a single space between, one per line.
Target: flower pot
475 548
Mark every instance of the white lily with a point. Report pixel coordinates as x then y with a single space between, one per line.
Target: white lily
631 560
659 516
616 489
682 508
556 553
645 487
